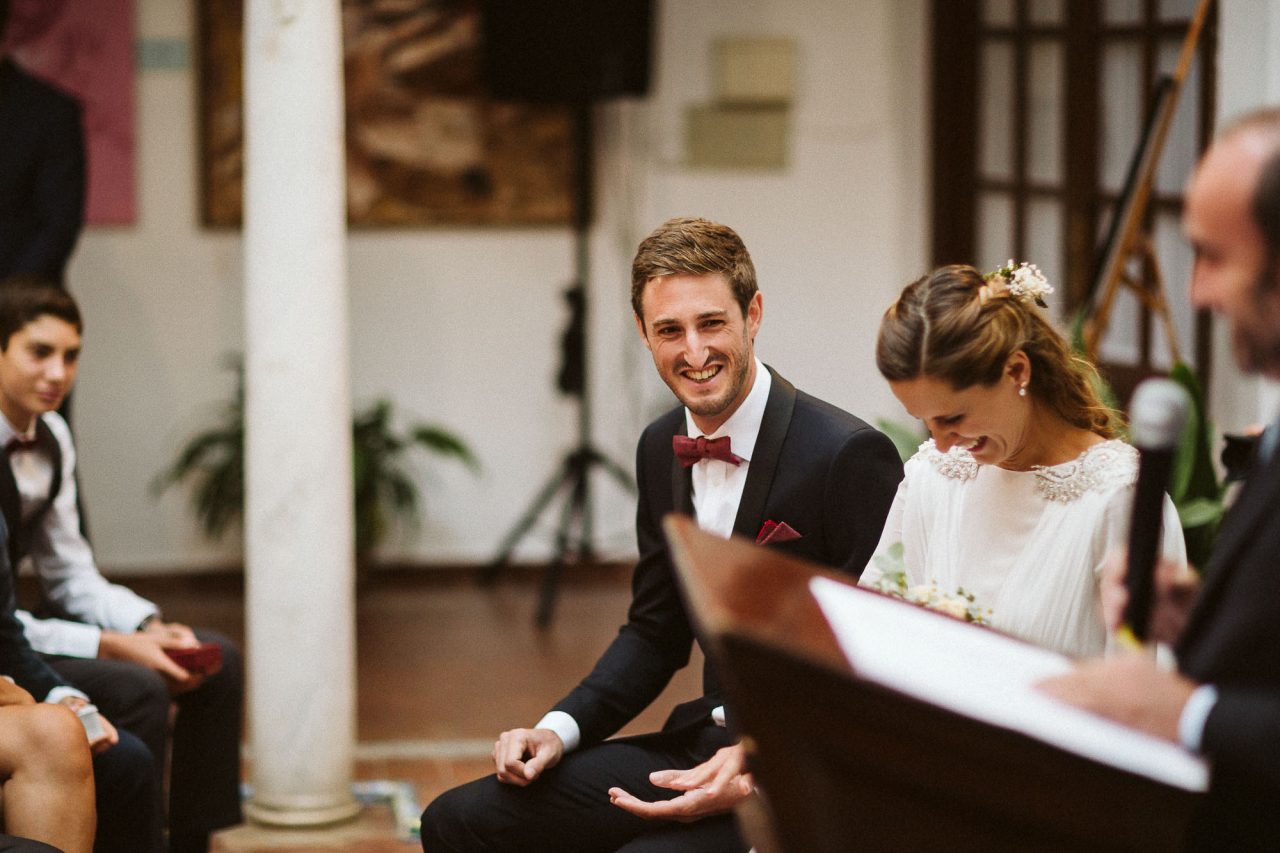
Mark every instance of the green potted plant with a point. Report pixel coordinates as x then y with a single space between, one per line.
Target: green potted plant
1197 492
213 462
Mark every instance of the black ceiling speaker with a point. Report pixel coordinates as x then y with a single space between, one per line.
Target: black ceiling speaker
566 51
575 53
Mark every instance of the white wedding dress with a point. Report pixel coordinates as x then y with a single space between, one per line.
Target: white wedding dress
1029 545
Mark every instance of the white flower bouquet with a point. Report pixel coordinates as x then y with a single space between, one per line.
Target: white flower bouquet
893 582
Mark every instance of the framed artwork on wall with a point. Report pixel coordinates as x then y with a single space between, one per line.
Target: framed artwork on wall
425 144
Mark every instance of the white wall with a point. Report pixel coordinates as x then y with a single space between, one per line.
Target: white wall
462 326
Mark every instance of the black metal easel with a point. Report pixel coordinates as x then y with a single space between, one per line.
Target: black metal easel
573 476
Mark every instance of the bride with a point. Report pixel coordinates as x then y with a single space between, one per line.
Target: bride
1022 489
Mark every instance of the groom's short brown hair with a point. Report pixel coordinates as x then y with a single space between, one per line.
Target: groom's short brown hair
692 246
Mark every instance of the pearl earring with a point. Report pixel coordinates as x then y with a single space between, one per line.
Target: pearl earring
1022 390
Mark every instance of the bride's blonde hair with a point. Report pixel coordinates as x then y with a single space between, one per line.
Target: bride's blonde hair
953 326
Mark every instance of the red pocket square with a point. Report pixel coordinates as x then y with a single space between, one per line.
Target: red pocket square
776 531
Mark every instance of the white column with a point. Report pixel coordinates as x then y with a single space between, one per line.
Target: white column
298 518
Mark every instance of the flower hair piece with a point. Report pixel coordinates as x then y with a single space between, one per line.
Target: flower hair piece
1024 281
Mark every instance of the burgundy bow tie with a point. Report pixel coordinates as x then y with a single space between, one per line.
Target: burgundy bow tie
690 450
19 442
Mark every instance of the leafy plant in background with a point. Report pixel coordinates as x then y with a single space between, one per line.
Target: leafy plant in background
1100 386
1193 484
1194 487
906 439
383 488
213 460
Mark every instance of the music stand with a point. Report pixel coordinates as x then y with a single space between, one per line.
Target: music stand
572 477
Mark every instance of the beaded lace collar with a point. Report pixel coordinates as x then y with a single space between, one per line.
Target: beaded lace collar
1103 466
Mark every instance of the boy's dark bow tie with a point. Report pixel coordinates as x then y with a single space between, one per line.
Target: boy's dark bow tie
21 442
690 450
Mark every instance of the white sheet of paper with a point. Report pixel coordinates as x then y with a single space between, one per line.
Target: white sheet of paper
989 677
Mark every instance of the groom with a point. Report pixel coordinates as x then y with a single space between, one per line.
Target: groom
746 454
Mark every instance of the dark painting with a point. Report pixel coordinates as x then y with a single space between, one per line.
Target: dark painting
425 143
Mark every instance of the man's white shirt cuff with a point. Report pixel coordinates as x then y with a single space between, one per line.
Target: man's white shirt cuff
563 725
717 716
57 694
1194 716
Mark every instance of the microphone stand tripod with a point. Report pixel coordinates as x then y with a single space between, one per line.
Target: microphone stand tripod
573 475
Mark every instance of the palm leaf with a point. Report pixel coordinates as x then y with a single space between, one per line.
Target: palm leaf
1194 476
444 443
212 462
1200 512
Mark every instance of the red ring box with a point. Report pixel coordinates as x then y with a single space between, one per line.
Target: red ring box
198 659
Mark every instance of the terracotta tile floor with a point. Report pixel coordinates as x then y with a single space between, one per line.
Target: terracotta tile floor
444 665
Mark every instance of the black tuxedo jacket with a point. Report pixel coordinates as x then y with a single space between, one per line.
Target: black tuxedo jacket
17 659
1233 641
42 175
823 471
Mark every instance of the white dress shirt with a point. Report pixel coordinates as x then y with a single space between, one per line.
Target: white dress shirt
717 486
63 560
717 491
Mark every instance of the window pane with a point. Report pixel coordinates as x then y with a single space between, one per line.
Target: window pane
1122 343
1122 110
1168 53
1121 11
997 13
1046 96
1045 247
1175 265
1177 10
1047 12
996 128
1179 155
995 230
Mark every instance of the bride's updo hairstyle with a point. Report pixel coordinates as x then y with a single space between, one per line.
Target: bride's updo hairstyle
955 326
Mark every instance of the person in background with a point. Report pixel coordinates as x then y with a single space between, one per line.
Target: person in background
49 792
46 776
101 637
1223 700
42 171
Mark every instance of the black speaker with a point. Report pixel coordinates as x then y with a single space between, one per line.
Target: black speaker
566 51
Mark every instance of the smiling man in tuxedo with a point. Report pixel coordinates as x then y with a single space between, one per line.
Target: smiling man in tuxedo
746 454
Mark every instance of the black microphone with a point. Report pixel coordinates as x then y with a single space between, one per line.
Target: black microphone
1157 415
